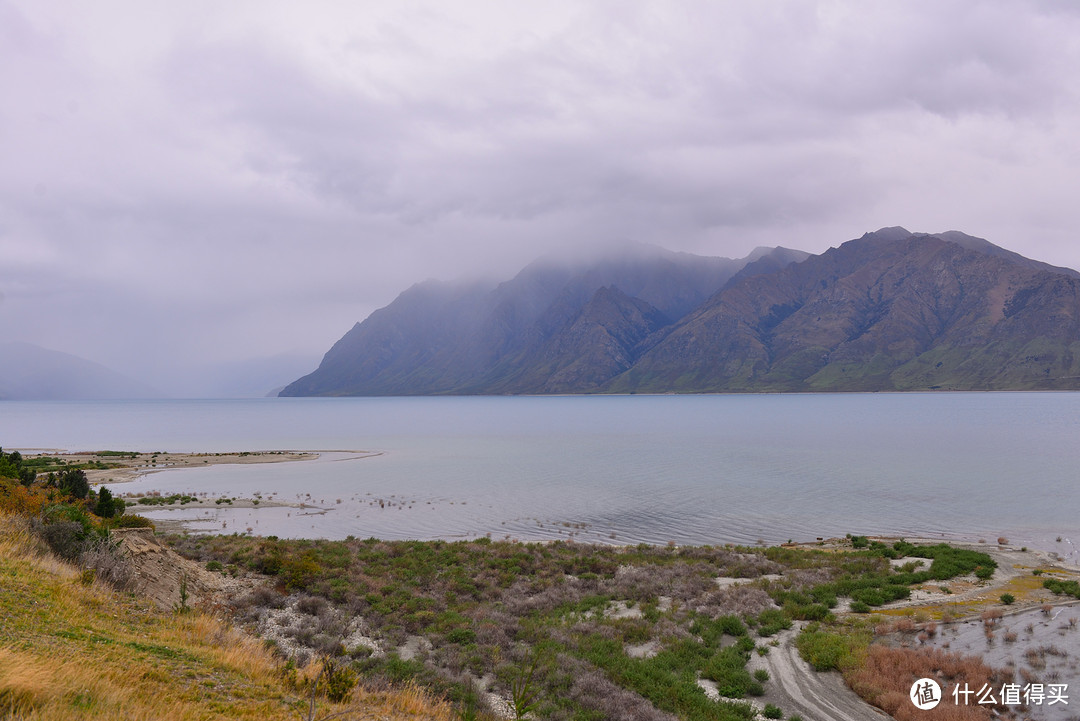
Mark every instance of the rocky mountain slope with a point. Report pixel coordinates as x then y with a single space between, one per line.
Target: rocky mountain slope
891 310
556 327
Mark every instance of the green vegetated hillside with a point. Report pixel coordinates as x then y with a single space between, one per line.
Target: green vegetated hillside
890 311
573 631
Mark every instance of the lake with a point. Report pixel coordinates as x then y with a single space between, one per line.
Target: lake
613 469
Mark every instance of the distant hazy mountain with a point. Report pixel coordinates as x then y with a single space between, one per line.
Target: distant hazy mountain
890 311
557 327
29 372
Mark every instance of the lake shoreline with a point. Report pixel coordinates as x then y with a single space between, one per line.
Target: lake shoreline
126 467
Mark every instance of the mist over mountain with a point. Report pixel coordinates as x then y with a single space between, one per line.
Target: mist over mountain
259 377
29 372
892 310
557 327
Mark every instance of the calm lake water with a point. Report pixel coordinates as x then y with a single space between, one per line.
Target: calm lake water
615 469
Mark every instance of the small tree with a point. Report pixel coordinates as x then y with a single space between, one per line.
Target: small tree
107 505
73 482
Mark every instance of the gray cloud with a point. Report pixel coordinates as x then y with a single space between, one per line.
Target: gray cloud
192 184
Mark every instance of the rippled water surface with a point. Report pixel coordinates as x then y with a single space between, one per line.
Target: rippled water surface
689 469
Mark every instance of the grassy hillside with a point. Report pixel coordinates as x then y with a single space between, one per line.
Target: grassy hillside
72 648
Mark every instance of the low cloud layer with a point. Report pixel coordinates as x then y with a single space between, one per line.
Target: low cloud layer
190 184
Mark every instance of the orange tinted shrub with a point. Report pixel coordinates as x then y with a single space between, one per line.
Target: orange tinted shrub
15 498
886 676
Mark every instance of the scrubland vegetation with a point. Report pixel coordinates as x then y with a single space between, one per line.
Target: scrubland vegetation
592 632
556 630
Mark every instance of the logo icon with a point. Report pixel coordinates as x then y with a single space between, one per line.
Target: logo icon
925 694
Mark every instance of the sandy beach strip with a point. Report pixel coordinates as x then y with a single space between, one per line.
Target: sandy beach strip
125 467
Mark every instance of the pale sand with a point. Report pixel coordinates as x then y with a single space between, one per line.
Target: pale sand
127 468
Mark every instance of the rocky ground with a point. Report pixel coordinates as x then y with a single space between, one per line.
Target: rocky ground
172 581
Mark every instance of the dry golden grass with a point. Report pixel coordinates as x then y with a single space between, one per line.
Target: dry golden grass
75 651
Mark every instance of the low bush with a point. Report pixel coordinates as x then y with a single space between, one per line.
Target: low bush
772 621
131 521
1068 588
830 650
105 560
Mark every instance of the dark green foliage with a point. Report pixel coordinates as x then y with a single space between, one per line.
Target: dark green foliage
131 521
772 711
823 650
903 548
73 482
12 465
108 505
1068 588
461 635
772 621
1008 599
949 562
731 625
728 669
667 679
169 500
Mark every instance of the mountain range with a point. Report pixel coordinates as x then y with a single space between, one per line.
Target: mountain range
30 372
889 311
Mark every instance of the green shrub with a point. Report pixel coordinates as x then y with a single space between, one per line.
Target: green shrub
827 651
1068 588
1007 599
107 505
339 681
68 530
772 711
771 621
132 521
461 635
731 625
298 572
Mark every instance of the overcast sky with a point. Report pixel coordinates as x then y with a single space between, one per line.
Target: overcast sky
185 183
